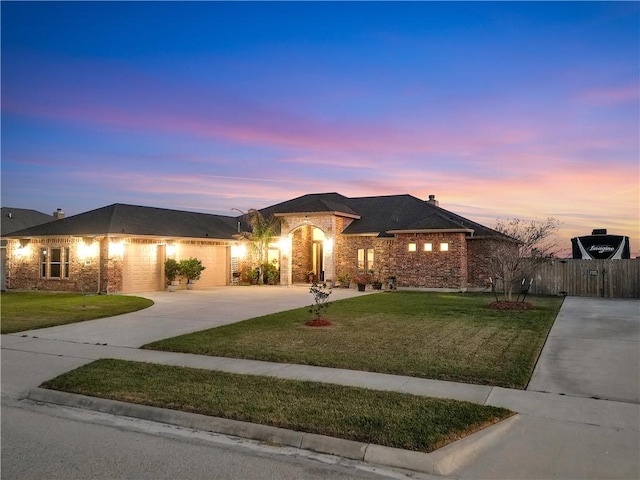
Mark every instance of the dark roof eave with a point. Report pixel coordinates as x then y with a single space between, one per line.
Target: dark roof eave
123 235
310 214
433 230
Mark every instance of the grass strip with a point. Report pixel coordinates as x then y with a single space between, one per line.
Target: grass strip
384 418
452 336
30 310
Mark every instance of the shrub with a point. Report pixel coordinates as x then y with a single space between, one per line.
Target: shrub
191 268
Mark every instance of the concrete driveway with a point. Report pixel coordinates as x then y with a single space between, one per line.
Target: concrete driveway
175 313
593 350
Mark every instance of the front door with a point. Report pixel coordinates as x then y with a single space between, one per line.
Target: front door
318 263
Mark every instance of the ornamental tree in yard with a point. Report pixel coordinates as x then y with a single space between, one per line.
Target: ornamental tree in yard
262 232
520 251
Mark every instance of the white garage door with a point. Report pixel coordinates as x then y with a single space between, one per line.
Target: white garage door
142 268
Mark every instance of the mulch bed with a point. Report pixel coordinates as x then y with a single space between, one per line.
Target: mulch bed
504 305
319 322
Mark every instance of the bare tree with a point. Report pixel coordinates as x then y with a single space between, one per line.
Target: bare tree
262 232
515 256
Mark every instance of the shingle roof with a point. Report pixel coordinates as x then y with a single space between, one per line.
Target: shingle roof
14 219
122 219
381 215
312 203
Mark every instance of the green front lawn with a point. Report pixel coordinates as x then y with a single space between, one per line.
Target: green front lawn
370 416
29 310
451 336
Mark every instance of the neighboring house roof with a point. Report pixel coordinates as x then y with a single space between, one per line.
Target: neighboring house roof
121 219
14 219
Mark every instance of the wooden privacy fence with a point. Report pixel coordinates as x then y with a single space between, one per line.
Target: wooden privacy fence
588 278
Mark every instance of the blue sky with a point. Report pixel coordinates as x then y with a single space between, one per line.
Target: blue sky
500 109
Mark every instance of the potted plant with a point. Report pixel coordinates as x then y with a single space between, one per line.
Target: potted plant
345 280
191 269
171 274
361 280
376 284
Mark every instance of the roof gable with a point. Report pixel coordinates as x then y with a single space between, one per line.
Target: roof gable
312 203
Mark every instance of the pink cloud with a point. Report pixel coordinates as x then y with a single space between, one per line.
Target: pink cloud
610 96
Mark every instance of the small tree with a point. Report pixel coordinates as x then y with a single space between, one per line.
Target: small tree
191 268
262 232
320 292
520 250
171 269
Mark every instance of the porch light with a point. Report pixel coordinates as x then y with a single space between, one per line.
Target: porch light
171 250
116 249
285 245
328 245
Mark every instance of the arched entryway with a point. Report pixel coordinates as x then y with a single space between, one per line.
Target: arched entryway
307 254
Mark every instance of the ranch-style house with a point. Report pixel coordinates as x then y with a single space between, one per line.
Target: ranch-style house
400 240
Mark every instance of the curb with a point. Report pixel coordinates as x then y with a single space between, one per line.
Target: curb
443 461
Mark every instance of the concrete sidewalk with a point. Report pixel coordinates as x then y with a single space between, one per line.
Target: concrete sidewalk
575 430
562 434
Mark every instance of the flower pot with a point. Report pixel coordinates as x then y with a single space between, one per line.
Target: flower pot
377 286
190 284
361 287
173 286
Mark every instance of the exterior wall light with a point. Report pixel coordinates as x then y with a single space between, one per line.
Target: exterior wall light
116 249
238 250
285 245
171 250
23 250
328 245
87 249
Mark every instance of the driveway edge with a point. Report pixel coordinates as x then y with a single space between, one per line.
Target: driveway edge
443 461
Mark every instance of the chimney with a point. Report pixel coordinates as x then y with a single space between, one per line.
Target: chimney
58 214
432 200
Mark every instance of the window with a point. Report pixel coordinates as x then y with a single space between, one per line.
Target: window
365 259
54 262
428 247
444 247
412 247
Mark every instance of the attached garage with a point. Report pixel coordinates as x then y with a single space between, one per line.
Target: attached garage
142 267
215 258
122 249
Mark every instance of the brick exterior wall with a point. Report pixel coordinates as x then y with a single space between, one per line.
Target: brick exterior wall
301 251
433 269
346 255
479 270
85 274
462 266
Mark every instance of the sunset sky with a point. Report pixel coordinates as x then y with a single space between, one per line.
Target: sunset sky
501 110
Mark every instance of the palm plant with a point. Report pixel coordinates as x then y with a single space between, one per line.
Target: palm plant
262 232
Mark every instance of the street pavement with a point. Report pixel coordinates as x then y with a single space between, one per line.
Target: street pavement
562 430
